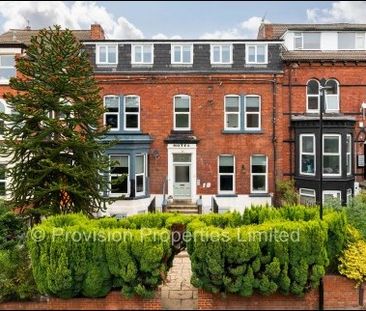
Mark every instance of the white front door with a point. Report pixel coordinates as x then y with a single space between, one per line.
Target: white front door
182 181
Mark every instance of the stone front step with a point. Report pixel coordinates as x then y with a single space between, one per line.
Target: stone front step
182 206
183 210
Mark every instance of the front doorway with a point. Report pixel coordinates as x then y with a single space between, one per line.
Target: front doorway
182 175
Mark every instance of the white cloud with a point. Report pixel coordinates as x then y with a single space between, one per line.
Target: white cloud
77 15
246 29
341 11
161 36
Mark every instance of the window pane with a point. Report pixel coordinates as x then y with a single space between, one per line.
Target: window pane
226 164
119 186
309 192
226 183
186 54
232 103
261 53
331 164
120 162
132 121
216 54
181 103
331 144
259 183
251 56
360 41
252 104
102 54
7 73
313 102
308 144
298 42
232 120
140 183
132 104
111 103
349 143
140 164
112 54
111 120
307 165
177 54
346 40
182 173
313 87
181 157
253 120
147 54
138 54
311 40
334 89
307 200
226 53
259 160
181 121
7 60
332 102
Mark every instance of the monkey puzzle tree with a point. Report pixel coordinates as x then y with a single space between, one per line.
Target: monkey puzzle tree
53 134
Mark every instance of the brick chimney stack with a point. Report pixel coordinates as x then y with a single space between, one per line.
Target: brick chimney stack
96 32
265 31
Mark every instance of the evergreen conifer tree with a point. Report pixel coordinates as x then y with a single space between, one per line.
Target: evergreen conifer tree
53 134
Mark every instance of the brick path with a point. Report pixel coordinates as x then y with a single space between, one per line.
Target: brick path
178 293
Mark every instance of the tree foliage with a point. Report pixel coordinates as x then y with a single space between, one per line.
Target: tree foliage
53 133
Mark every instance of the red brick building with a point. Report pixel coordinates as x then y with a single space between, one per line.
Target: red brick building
334 56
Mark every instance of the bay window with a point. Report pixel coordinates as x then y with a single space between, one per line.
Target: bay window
349 154
226 174
132 112
182 118
140 173
119 175
307 154
232 112
111 116
332 155
307 196
331 195
259 174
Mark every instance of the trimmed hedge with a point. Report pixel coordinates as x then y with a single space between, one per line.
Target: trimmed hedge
223 258
78 256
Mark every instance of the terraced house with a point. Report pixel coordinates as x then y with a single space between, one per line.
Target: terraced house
214 123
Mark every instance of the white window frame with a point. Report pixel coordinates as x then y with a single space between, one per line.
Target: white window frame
7 111
301 193
331 95
333 154
258 174
117 175
307 153
113 113
302 40
334 193
358 35
247 46
173 61
142 62
259 113
143 174
349 154
107 62
175 113
349 196
298 35
6 81
131 113
312 95
232 113
221 62
233 174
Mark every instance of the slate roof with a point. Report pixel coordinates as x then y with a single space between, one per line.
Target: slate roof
23 36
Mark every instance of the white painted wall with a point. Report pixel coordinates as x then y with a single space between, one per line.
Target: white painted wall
329 41
289 40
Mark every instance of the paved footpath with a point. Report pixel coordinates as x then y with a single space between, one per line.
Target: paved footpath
178 293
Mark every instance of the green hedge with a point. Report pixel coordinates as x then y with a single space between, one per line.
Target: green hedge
78 256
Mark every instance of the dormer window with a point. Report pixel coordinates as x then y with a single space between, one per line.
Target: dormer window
142 54
107 54
221 54
307 40
7 68
182 53
351 40
256 54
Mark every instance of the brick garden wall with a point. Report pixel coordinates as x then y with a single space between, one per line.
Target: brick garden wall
339 293
114 301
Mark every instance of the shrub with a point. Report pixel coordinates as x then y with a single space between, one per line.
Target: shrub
79 256
356 213
286 192
353 262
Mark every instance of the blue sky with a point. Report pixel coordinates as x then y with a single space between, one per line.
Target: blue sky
176 19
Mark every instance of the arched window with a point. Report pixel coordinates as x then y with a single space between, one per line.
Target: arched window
313 96
332 96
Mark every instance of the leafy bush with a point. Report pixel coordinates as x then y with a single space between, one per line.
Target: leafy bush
356 213
286 192
77 256
353 262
